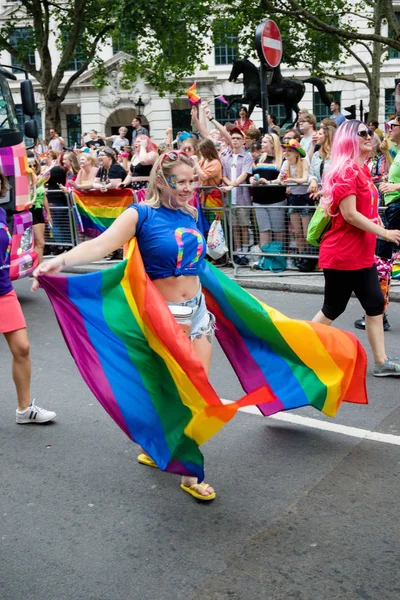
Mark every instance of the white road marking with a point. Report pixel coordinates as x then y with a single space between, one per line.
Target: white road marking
294 419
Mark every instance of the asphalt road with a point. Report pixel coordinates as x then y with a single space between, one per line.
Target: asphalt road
301 513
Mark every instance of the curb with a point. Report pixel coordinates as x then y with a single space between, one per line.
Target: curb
276 284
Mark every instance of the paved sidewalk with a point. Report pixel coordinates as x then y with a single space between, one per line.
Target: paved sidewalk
289 281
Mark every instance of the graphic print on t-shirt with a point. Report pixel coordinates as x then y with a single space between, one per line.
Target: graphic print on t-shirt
8 250
179 240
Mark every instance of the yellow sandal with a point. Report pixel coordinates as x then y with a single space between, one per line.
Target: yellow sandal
143 459
192 491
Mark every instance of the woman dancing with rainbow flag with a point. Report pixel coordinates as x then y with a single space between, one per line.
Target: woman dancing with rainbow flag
147 373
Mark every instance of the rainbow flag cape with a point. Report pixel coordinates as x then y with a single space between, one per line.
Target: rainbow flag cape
99 210
143 370
192 95
222 99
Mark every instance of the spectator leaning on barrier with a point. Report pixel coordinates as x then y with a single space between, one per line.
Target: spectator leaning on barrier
291 134
110 174
236 169
270 221
144 156
252 135
295 169
256 150
307 127
320 159
87 173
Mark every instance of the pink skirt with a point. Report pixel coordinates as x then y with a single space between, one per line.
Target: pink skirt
11 315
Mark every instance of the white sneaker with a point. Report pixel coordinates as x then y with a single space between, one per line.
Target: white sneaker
35 414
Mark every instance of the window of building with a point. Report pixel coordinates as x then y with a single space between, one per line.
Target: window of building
279 111
79 56
225 43
390 107
120 40
74 130
181 117
22 118
222 114
22 39
320 110
392 52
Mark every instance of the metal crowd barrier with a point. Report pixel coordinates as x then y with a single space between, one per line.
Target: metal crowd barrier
64 230
250 233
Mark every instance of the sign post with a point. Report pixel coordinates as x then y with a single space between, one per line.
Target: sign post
268 43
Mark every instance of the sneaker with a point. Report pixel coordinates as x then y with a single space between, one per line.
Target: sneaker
360 323
35 414
387 369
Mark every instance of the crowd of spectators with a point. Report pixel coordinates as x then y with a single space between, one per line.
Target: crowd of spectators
240 164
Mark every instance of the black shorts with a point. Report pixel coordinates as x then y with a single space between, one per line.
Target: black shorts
339 286
37 216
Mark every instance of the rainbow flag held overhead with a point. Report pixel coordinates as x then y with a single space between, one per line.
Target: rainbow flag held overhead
143 370
99 210
192 95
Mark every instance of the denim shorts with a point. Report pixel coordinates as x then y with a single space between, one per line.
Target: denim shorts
302 200
202 321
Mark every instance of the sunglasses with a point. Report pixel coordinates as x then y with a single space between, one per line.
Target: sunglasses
364 133
392 125
174 155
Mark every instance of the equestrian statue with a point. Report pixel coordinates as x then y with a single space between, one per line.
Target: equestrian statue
281 90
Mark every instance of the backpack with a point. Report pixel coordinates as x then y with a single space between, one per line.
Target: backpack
276 264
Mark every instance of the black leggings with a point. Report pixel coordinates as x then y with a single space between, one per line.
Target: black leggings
339 286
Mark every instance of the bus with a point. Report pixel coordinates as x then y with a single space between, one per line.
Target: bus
13 161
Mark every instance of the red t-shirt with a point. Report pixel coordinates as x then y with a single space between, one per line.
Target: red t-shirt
345 247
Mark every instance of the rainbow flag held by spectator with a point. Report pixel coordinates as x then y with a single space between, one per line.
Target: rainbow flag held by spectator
142 368
99 210
222 99
192 95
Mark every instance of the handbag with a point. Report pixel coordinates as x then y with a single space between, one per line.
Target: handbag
276 264
320 223
216 245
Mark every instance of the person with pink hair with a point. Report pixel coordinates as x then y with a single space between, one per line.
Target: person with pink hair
347 249
144 156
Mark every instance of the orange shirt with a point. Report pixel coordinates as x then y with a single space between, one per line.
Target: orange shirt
213 171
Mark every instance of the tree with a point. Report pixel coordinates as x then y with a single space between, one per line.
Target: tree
167 45
318 25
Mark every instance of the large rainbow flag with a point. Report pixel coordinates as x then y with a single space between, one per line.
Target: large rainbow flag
396 271
143 370
99 210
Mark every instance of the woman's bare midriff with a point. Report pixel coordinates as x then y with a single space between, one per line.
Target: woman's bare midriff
178 289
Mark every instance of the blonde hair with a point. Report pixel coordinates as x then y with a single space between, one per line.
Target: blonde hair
326 147
277 150
300 162
162 170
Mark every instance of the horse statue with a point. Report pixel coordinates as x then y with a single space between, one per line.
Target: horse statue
281 90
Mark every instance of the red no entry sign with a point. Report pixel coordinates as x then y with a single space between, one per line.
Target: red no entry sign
269 43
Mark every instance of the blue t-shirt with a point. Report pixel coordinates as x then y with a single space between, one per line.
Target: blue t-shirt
169 241
5 248
339 118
